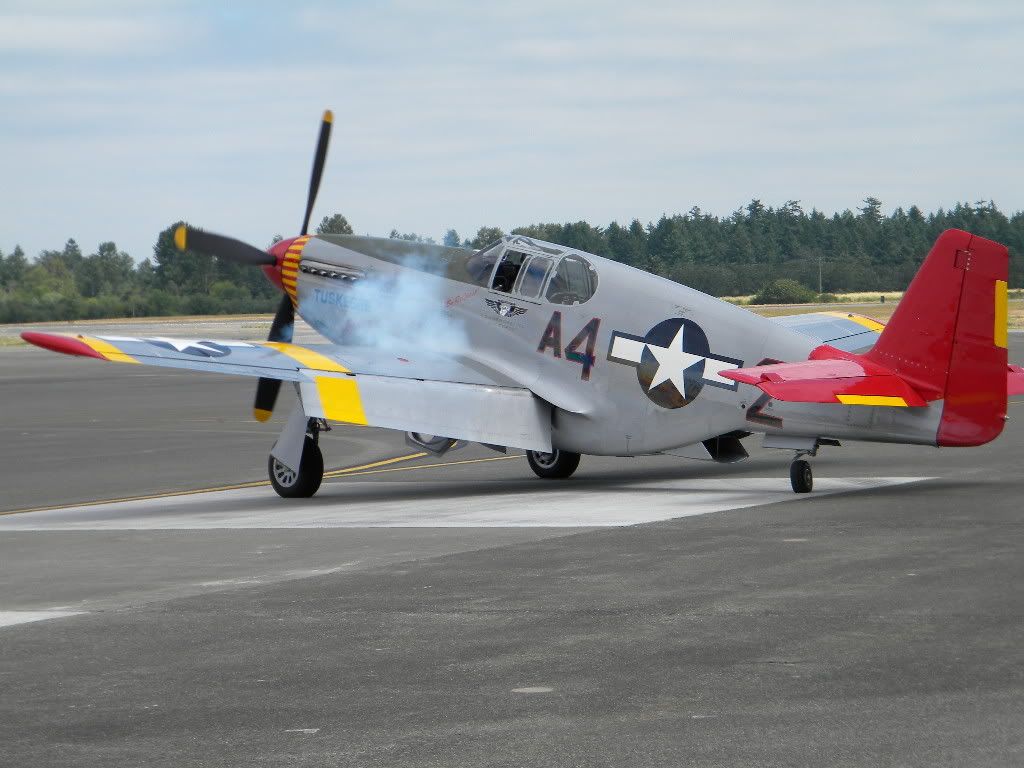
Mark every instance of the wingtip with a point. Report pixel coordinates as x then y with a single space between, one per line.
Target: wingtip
66 345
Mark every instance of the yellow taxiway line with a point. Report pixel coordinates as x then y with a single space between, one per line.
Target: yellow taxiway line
361 469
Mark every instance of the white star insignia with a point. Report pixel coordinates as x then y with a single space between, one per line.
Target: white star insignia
673 362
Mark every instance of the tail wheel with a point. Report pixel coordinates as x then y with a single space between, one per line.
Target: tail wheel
555 465
304 483
801 477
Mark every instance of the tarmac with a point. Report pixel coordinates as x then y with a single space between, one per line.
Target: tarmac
457 611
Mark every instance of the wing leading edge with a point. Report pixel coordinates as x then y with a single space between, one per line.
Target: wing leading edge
433 396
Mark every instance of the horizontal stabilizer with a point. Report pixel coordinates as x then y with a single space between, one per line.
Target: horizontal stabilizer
1015 380
830 376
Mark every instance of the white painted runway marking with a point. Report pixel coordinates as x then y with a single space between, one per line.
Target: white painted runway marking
380 505
12 618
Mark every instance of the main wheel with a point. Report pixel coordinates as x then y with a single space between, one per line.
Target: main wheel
801 477
553 466
304 483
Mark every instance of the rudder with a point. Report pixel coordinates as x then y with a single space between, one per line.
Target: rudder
948 337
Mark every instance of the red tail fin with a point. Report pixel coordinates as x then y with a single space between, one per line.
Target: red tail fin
947 337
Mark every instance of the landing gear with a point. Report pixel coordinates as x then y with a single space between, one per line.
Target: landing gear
555 465
800 476
303 483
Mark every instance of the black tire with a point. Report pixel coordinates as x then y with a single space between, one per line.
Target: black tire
556 465
306 481
801 477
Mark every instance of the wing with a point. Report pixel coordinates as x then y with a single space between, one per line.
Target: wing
843 330
429 395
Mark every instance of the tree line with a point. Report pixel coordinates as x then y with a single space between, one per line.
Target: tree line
739 254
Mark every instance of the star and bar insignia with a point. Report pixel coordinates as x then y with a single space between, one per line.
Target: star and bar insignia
673 361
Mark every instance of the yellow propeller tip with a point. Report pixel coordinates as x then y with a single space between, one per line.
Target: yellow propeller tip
179 237
328 116
261 414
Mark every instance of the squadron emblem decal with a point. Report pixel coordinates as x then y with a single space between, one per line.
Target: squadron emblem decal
673 361
505 308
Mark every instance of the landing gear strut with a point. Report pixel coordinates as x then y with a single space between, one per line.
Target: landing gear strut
305 481
556 465
800 475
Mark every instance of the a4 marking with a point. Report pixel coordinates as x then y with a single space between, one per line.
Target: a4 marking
580 349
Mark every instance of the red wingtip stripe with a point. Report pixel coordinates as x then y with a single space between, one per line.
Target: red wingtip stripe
67 345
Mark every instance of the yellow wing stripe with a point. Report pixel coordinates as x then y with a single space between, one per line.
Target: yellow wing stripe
308 358
867 322
108 350
872 400
1002 315
340 400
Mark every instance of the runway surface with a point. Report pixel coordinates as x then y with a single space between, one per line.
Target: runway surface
458 611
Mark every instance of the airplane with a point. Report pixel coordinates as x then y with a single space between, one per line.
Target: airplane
529 345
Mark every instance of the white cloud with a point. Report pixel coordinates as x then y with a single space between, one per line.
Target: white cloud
462 114
70 35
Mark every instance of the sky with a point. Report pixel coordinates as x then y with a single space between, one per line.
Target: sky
120 117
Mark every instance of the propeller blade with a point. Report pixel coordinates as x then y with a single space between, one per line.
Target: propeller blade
281 329
318 166
190 238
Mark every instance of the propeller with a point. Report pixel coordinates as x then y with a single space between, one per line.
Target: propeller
186 237
284 319
280 330
283 326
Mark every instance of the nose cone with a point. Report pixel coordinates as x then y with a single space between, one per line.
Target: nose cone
279 251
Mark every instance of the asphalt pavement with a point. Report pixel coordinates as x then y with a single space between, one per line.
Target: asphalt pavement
458 611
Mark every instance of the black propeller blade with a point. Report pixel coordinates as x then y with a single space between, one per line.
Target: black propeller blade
318 166
190 238
280 330
284 320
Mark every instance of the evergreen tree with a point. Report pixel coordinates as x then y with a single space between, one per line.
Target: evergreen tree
753 247
486 236
181 273
334 225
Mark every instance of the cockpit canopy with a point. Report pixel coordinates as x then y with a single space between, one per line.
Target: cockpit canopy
519 266
533 270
